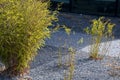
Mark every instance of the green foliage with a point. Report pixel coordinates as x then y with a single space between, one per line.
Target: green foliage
23 28
71 63
80 41
99 29
68 32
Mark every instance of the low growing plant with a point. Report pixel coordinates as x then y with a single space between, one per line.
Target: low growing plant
70 74
23 28
71 54
67 31
100 29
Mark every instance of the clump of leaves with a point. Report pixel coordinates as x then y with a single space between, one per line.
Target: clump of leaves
100 29
23 28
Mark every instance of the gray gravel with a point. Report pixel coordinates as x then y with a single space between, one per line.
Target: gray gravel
85 68
45 65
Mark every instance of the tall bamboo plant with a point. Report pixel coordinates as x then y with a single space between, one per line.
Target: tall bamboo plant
23 28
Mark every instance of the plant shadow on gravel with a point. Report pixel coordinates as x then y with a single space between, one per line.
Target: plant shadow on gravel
56 68
84 60
46 55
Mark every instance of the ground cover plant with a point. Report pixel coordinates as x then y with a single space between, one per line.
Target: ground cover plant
100 29
23 28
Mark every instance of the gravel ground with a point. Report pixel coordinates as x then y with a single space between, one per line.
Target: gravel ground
113 48
85 68
45 65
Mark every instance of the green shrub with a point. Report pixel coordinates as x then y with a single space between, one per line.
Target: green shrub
23 28
100 29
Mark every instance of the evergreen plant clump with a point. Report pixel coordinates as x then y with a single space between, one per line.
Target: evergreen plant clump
100 29
23 29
